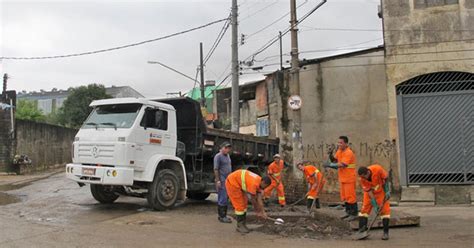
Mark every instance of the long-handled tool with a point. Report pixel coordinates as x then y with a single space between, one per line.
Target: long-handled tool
292 205
365 234
320 187
277 221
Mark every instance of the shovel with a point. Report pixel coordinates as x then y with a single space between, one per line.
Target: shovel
277 221
298 201
320 187
365 234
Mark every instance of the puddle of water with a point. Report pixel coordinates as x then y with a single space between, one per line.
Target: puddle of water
6 199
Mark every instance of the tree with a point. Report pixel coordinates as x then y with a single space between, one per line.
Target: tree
27 110
75 108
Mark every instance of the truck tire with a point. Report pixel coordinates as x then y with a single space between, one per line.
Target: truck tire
103 194
197 196
163 191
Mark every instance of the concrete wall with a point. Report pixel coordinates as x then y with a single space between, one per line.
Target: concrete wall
6 141
46 145
425 40
342 98
342 95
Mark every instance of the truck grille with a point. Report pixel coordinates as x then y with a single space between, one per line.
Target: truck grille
96 151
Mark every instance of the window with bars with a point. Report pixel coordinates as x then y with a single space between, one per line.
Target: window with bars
420 4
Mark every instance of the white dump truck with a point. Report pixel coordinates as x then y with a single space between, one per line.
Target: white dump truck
158 149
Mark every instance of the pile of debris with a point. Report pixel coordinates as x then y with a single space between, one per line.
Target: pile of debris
298 224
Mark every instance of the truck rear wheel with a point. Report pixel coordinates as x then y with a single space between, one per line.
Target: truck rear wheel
197 196
163 191
103 194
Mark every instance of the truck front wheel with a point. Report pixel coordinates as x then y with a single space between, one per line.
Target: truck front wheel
163 191
103 194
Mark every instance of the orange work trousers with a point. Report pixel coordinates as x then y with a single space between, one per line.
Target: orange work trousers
280 191
238 198
314 193
348 192
367 206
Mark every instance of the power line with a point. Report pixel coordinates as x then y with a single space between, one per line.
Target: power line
218 85
388 63
218 40
386 30
116 48
276 38
271 24
396 63
386 46
258 11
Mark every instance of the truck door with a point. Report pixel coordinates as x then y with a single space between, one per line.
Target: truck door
153 136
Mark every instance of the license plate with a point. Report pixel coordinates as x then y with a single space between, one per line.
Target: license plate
88 171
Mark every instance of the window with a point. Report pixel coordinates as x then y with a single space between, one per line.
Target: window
113 116
419 4
155 118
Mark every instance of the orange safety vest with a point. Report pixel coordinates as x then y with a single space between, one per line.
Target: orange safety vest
378 178
276 169
347 174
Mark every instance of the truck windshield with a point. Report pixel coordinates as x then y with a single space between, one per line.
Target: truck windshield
113 116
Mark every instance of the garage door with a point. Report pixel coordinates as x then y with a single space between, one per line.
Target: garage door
436 127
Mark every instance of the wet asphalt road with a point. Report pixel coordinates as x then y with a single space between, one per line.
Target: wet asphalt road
56 212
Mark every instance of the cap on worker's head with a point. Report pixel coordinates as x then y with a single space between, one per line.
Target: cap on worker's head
300 163
226 144
276 156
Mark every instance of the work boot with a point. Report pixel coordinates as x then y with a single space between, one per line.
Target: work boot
223 215
386 224
363 223
346 206
219 212
241 224
353 212
317 203
309 203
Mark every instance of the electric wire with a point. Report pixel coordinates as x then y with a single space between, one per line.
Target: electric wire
114 48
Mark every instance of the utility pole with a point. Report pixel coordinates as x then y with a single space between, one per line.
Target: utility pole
297 142
203 100
281 52
5 80
235 111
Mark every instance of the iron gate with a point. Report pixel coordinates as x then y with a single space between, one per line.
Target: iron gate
436 127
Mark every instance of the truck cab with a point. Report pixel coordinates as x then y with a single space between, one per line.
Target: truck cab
122 147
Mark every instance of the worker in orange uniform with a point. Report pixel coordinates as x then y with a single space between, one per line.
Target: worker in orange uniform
241 183
274 172
345 162
315 181
376 186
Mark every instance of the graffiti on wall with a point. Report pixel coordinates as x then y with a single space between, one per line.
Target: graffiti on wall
371 151
366 152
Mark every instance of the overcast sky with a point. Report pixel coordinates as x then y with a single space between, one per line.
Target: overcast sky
35 28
